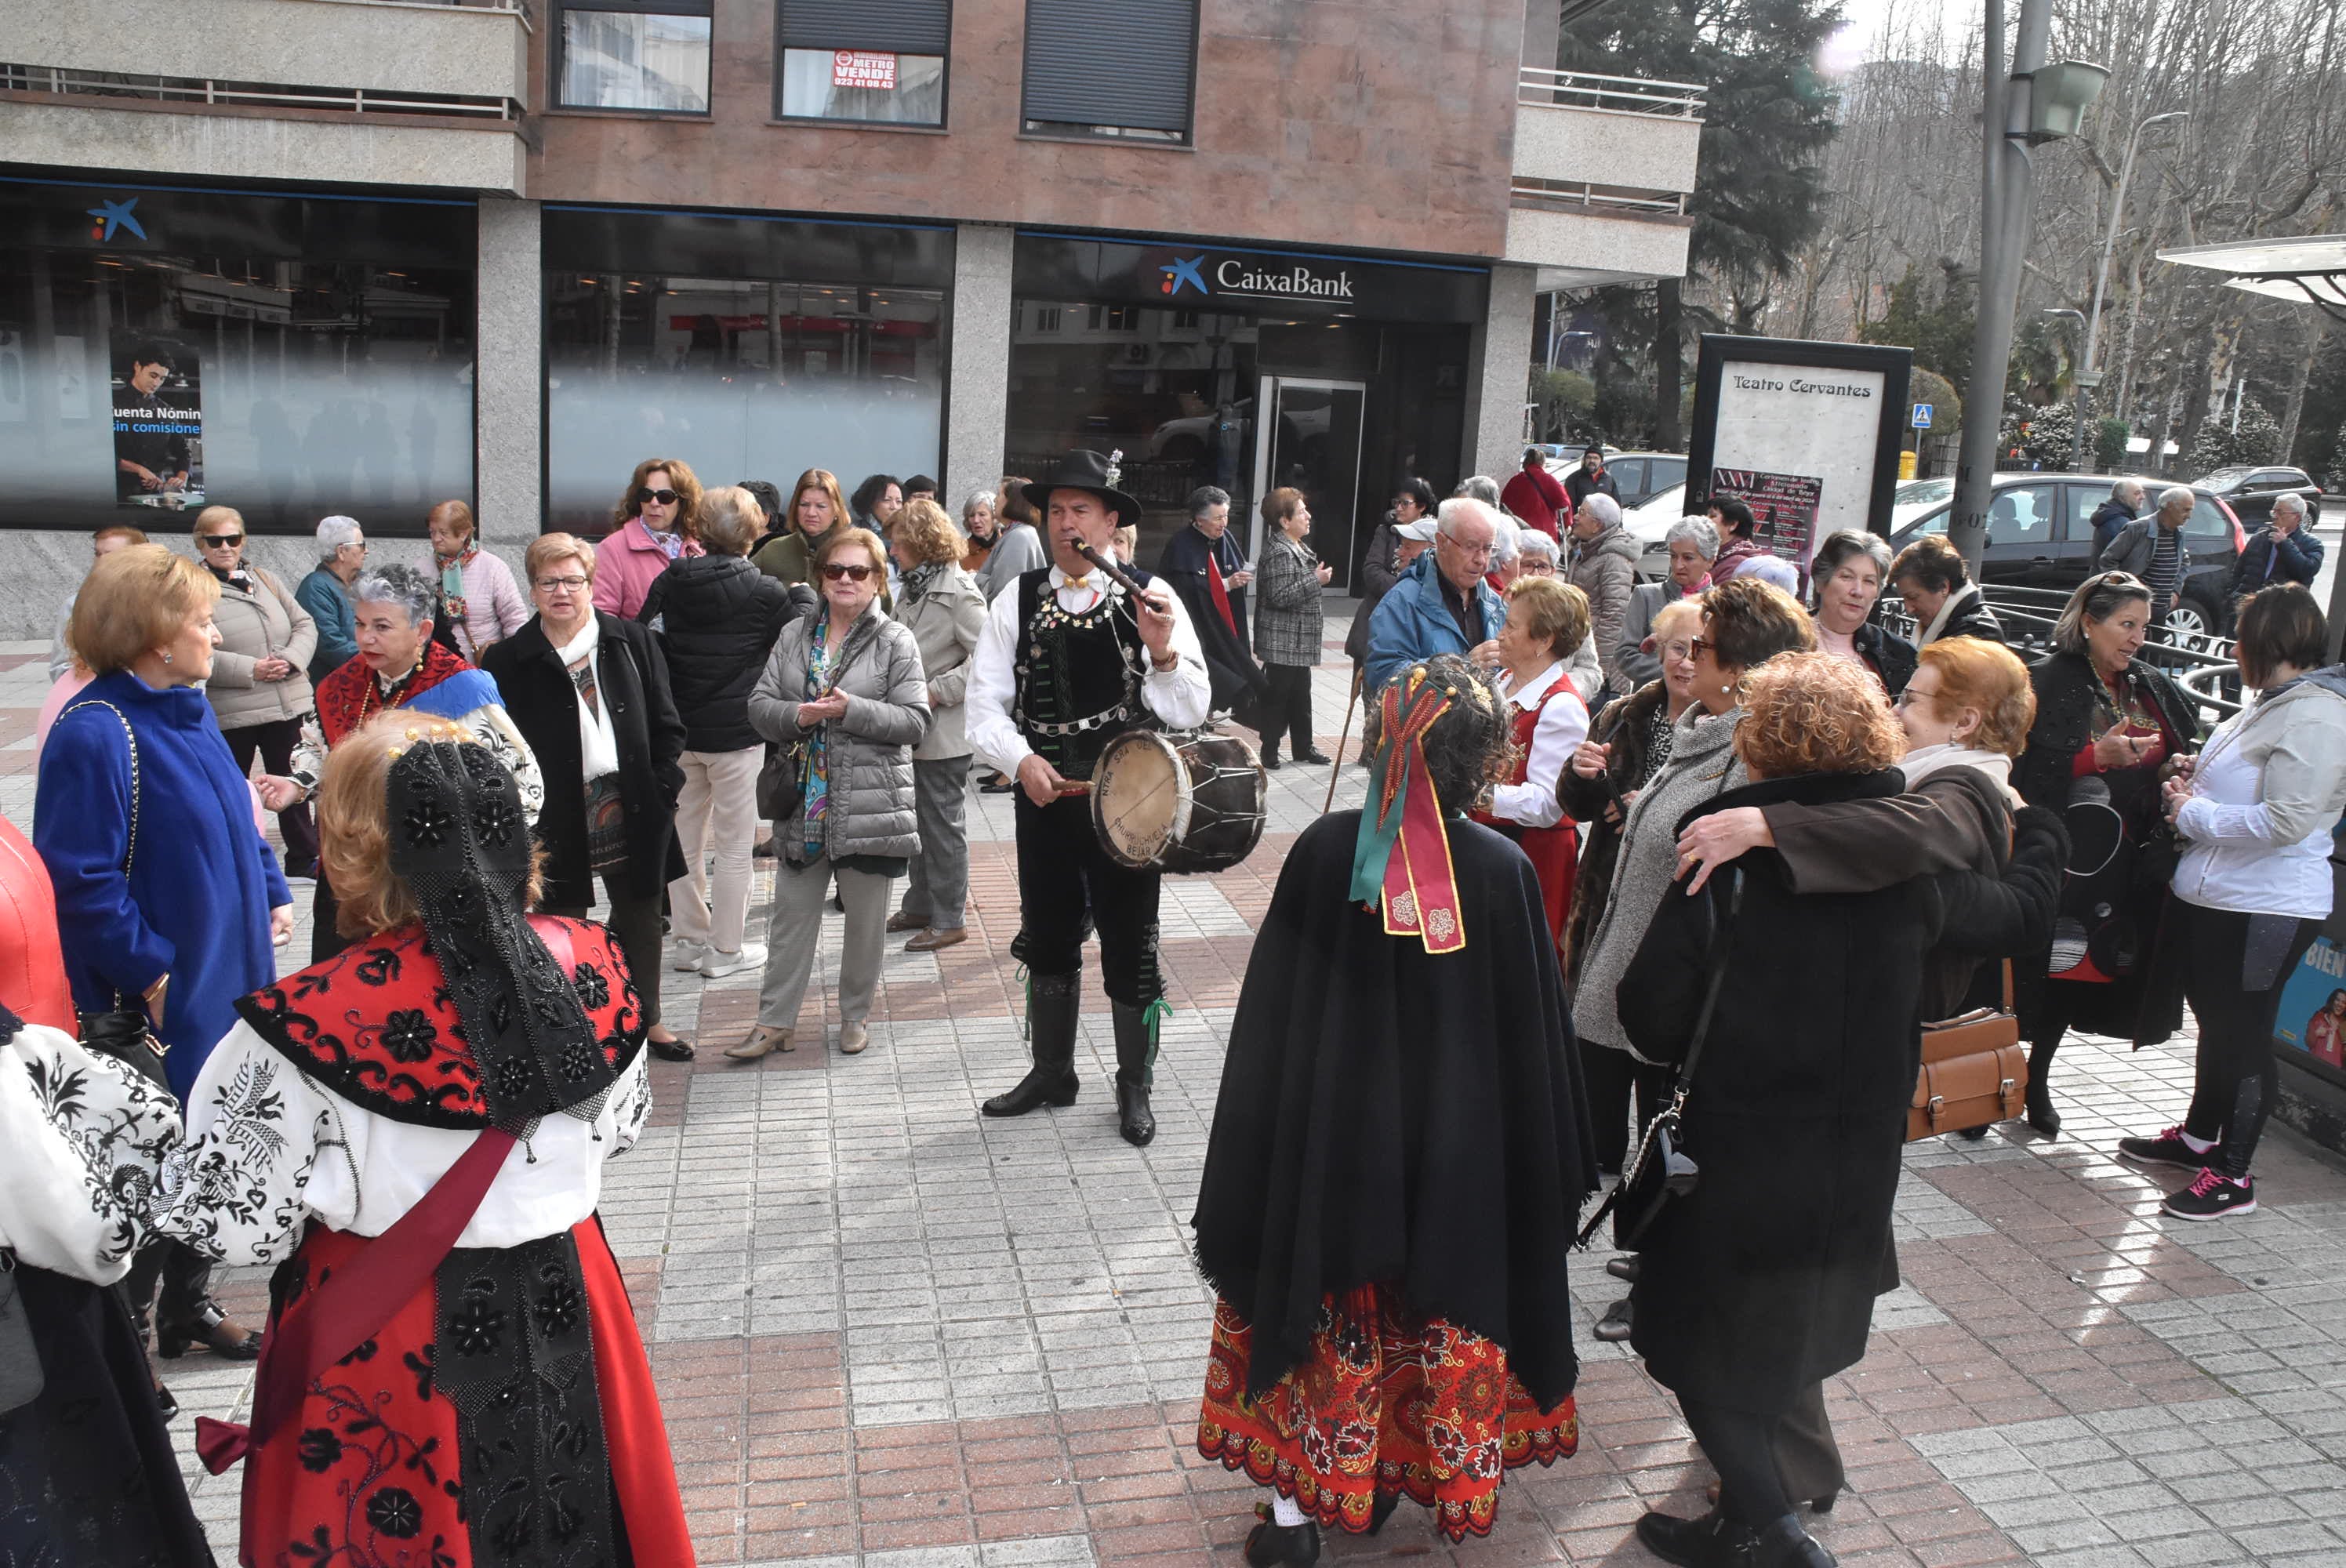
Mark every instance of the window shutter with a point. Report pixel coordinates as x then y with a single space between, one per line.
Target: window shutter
892 27
1128 62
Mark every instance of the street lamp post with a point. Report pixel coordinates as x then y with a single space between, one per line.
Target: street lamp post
2110 235
2077 400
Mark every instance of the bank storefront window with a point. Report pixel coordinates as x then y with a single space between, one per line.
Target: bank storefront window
751 349
292 356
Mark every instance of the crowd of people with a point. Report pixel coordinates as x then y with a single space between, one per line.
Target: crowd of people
1649 872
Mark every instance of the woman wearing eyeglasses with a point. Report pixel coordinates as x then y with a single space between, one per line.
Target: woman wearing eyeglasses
590 692
845 695
259 685
652 524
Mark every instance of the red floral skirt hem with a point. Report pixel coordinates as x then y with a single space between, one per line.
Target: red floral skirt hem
1387 1402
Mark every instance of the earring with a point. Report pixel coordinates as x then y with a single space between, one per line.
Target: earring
167 656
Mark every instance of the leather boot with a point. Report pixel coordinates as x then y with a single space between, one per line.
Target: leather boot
2041 1113
1135 1055
1051 1004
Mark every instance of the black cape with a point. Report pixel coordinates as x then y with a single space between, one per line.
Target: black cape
1236 679
1388 1116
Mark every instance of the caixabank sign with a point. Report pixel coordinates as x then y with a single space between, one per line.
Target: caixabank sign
1196 277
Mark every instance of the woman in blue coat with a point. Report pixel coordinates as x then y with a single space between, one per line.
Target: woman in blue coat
168 900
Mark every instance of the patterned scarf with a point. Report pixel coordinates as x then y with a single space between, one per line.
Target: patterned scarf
818 752
917 580
352 694
451 580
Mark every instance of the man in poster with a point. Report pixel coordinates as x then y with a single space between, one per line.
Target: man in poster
152 455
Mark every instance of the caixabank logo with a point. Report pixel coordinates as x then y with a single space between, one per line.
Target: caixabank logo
1253 277
109 219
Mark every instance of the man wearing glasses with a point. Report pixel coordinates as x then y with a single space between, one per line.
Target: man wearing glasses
1441 604
325 593
1069 660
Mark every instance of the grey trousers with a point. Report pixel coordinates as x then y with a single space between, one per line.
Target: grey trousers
801 894
938 889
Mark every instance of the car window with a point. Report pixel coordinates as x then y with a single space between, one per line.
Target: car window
2207 522
2224 478
2023 515
1916 491
1628 475
1665 472
1936 523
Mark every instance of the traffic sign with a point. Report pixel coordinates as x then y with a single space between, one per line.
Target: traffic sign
1921 416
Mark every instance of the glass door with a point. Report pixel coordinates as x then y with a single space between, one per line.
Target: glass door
1308 436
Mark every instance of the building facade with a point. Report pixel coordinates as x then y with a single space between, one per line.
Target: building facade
384 252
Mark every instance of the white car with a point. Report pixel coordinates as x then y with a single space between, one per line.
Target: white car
1650 524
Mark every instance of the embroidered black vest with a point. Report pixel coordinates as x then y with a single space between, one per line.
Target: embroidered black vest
1078 675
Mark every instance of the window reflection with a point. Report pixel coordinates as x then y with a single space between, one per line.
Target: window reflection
628 60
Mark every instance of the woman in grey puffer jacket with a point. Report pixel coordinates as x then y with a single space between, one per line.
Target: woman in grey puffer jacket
845 695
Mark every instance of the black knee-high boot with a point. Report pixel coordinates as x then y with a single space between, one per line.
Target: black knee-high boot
2041 1113
1136 1058
1052 1001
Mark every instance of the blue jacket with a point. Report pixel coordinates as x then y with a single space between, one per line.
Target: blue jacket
2269 558
328 604
1411 623
203 881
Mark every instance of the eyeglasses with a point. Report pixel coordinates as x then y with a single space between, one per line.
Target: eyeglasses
665 497
840 572
560 585
1701 646
1674 651
1463 547
222 541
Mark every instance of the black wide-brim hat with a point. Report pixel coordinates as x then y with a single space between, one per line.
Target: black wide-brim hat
1084 469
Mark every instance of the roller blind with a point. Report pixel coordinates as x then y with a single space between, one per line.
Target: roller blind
1128 62
892 27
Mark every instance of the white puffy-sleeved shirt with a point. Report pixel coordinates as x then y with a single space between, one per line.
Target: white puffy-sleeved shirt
1563 726
1181 696
270 1148
80 1138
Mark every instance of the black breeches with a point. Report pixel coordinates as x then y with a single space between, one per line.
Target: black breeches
1065 877
1741 1446
2235 967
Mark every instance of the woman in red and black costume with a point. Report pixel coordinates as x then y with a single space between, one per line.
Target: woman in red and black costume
1547 620
452 1373
1398 1155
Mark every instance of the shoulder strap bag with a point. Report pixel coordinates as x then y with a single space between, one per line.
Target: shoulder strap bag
1659 1169
125 1031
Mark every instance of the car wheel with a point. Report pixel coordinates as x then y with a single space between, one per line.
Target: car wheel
2191 618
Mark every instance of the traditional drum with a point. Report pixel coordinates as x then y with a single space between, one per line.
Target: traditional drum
1179 802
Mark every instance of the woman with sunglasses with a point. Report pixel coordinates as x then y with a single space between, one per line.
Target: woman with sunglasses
590 694
845 696
2106 725
259 685
652 524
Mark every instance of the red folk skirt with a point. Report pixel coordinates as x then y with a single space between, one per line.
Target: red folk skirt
1388 1402
367 1474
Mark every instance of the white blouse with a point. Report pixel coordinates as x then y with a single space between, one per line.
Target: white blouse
80 1136
270 1148
1563 726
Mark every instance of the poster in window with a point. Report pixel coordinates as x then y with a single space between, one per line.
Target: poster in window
1783 506
2311 1019
863 69
158 426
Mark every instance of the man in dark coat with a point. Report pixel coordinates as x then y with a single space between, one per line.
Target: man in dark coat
1590 479
1208 569
2124 505
1399 1154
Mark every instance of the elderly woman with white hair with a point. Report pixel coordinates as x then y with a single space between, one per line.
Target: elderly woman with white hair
1537 555
325 593
977 527
1693 545
2152 548
1605 567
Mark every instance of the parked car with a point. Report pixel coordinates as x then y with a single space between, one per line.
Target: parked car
2251 492
1642 475
2040 535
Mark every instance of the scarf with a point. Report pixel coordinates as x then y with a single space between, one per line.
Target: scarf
1401 860
451 580
237 577
1955 601
916 582
819 681
1923 761
598 744
353 693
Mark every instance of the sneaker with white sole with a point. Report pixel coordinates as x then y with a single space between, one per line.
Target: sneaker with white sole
719 964
687 957
2167 1149
2213 1195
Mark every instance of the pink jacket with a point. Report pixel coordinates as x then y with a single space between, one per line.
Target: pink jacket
625 566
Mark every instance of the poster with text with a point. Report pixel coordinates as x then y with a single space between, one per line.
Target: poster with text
158 426
2312 1016
1807 433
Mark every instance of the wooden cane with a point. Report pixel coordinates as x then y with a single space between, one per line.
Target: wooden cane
1341 736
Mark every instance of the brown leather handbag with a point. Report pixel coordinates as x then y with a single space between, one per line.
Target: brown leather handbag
1975 1071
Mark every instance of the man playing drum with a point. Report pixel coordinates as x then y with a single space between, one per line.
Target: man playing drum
1067 661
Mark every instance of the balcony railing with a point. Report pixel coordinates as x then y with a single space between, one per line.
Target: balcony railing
1560 194
1610 94
203 90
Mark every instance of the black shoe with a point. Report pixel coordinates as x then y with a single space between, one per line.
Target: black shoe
1271 761
1316 758
1052 1000
999 787
1615 1325
214 1330
1296 1544
2041 1113
1710 1541
1622 1268
1784 1544
2213 1195
1134 1119
166 1403
676 1049
2167 1149
1386 1502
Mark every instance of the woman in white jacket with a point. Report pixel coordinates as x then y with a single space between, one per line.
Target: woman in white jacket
2255 810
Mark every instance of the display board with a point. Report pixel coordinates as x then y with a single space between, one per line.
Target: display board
1805 434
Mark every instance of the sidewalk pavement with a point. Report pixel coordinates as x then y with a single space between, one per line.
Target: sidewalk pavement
888 1331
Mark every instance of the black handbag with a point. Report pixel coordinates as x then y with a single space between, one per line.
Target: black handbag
125 1033
1659 1169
